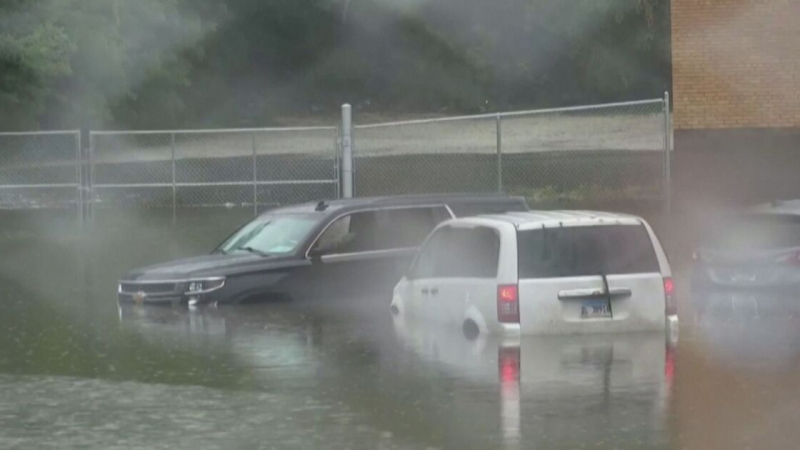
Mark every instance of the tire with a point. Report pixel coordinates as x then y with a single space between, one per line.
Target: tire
471 330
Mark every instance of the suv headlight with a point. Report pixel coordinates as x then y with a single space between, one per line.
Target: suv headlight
204 286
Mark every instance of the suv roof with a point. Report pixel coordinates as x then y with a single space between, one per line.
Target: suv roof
537 219
340 205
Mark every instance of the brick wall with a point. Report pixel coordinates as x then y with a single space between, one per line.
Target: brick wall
736 63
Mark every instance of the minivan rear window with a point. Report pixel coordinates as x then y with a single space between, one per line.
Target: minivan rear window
585 250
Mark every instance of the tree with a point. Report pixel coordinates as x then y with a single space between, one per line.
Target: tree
168 63
89 62
34 57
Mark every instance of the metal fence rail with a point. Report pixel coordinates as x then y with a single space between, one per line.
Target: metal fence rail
611 151
197 168
40 170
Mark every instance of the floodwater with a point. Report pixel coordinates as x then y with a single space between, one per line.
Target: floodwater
76 371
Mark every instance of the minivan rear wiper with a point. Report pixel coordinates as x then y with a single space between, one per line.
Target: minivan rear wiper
607 292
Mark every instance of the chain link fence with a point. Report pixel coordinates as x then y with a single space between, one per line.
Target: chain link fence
252 168
566 155
40 170
456 154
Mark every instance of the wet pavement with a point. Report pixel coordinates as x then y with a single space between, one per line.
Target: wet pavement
76 371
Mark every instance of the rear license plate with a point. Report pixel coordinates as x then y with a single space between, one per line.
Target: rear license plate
595 309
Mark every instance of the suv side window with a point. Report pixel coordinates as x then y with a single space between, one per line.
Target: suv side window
459 253
408 227
380 229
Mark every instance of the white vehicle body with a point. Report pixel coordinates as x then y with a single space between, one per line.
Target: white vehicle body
541 272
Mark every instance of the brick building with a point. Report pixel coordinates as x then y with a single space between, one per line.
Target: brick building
736 98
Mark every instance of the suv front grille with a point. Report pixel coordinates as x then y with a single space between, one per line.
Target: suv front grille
149 288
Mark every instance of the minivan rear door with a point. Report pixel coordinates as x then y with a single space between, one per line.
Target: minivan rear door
589 277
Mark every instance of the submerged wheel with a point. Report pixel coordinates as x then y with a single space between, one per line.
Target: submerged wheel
470 329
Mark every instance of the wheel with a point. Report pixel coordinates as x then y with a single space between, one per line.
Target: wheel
471 330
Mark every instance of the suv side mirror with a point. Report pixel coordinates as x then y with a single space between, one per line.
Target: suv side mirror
316 254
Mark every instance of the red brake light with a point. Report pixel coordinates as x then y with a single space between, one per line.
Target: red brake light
508 304
507 293
671 307
669 286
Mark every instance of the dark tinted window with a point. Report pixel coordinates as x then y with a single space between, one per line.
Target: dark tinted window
459 253
380 230
579 251
408 227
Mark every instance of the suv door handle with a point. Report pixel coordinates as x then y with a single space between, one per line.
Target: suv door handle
425 291
434 291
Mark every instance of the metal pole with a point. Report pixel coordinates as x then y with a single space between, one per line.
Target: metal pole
336 162
347 151
79 176
667 156
499 153
90 181
174 187
255 177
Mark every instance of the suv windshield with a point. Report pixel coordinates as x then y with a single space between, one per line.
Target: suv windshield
582 251
271 235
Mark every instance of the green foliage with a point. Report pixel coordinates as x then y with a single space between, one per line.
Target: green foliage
34 56
167 63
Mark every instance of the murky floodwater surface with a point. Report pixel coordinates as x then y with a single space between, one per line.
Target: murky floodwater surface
76 371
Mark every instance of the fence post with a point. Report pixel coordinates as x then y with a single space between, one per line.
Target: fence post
255 177
174 187
499 153
90 180
667 156
79 176
347 151
337 167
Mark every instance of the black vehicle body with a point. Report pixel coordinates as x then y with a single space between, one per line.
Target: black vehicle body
757 248
305 273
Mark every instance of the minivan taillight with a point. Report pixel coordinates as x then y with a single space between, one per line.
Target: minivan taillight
508 303
671 307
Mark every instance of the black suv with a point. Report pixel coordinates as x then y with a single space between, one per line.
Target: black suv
340 248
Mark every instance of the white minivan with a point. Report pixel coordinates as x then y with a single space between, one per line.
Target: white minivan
541 272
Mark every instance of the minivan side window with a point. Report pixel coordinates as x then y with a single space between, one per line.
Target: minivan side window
459 253
585 250
381 229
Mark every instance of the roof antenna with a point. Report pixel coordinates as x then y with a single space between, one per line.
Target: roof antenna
321 206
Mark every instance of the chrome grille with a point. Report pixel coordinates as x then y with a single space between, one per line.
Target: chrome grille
149 288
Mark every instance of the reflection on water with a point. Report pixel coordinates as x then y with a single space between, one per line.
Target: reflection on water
737 386
611 390
749 327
